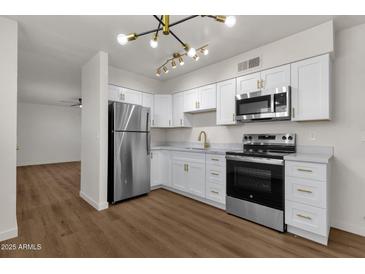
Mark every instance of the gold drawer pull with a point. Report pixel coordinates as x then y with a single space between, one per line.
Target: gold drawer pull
304 217
304 170
214 173
215 192
304 190
214 159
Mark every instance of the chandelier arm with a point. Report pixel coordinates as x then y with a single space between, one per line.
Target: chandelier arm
183 20
173 34
158 27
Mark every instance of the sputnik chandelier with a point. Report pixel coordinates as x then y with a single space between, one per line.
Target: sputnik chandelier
164 26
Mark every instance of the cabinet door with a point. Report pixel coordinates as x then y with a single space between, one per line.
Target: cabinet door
114 93
226 92
196 178
147 101
177 109
248 83
311 89
207 97
179 174
275 77
155 169
162 111
164 161
132 96
190 100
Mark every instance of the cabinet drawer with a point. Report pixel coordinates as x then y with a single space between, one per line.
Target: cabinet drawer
305 170
215 193
306 217
216 160
305 191
215 172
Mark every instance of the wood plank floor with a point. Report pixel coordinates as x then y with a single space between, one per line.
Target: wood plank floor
162 224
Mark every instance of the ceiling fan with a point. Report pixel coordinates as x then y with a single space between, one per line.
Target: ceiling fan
75 103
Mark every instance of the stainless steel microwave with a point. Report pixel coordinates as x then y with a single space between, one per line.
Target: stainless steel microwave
272 104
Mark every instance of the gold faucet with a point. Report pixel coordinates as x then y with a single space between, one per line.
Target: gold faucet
206 145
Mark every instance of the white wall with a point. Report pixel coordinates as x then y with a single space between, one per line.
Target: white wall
48 134
346 131
94 131
8 106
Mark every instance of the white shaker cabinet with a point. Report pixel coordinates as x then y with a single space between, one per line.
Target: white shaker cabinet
179 174
160 168
200 99
131 96
147 101
248 83
196 177
207 97
275 77
226 92
114 93
311 89
179 118
162 114
155 169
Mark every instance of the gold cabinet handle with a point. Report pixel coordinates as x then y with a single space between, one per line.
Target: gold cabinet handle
262 83
215 192
258 84
214 159
214 173
181 122
304 190
304 170
293 112
187 167
304 216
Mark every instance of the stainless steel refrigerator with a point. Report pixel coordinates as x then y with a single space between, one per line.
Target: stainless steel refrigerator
129 151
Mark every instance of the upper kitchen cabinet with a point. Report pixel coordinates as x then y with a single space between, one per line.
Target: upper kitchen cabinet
267 79
147 101
179 118
124 95
162 114
201 99
226 92
311 89
275 77
248 83
131 96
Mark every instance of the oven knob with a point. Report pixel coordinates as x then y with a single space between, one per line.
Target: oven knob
284 138
290 138
246 137
251 196
250 137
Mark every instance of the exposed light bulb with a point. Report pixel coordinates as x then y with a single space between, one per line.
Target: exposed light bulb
154 42
205 51
173 64
191 52
196 57
158 73
165 70
230 21
122 39
181 61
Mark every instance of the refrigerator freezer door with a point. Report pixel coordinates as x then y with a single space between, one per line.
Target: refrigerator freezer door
128 117
131 165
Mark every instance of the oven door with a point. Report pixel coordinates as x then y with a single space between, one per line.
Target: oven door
257 180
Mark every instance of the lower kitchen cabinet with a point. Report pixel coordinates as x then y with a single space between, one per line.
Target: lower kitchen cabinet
215 178
188 173
160 168
306 200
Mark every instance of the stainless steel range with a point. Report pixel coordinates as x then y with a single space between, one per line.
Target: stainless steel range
256 180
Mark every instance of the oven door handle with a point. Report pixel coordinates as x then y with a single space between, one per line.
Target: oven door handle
255 160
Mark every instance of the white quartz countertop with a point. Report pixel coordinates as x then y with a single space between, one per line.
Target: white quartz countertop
209 150
309 157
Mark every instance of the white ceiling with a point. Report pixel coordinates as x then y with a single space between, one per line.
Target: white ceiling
53 48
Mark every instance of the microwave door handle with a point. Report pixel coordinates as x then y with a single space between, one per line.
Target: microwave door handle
272 103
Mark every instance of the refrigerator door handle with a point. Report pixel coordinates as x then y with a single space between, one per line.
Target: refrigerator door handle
147 121
148 143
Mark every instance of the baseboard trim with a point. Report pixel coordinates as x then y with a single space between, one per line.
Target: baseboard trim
9 234
48 163
308 235
355 229
93 203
